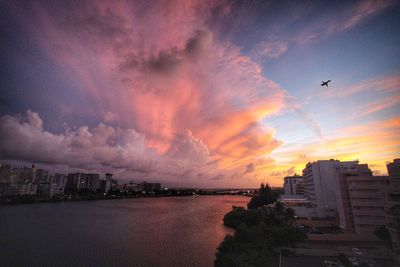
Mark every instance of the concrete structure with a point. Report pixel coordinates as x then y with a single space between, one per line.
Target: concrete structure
133 187
83 181
393 221
60 180
145 186
394 172
347 190
23 175
5 173
293 185
321 187
362 205
108 183
41 176
393 207
50 190
26 189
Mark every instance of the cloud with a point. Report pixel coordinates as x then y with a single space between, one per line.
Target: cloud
270 49
344 19
374 143
284 173
376 106
110 116
104 148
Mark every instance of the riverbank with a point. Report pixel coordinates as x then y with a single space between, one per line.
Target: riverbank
79 196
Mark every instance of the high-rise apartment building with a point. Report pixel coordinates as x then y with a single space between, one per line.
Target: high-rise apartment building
83 181
394 172
321 185
393 206
362 205
41 176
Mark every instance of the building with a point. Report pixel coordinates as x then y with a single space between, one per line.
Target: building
133 187
83 182
108 183
5 173
394 172
293 185
60 180
41 176
393 206
393 221
345 189
321 187
362 205
26 189
148 187
23 175
50 190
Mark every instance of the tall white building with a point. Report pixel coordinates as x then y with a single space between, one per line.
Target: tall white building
321 184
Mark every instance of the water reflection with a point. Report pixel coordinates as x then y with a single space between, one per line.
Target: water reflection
131 232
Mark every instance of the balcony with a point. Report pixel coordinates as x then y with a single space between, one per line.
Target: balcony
369 212
364 186
366 203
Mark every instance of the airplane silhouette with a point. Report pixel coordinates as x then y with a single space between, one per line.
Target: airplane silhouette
325 83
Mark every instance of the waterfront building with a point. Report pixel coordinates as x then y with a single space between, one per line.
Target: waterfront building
49 190
5 173
41 176
26 189
133 187
83 181
148 187
23 175
60 180
108 182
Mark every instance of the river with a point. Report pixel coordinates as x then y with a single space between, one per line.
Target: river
169 231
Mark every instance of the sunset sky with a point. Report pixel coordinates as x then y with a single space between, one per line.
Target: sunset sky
199 93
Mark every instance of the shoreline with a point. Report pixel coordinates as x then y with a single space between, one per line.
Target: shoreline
18 200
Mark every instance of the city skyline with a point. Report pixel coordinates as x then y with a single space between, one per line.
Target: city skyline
195 93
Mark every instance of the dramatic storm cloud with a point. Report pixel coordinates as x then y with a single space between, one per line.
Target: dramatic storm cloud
208 93
184 101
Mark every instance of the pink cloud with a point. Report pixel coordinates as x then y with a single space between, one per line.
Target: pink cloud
179 94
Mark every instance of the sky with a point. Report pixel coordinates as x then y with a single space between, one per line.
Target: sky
199 93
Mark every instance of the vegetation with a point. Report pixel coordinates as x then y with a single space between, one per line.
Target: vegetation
266 225
264 197
383 233
344 260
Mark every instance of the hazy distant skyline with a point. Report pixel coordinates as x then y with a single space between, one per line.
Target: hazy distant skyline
199 93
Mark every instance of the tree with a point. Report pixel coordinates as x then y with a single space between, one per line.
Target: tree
264 197
290 216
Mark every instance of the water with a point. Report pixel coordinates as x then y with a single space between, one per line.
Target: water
175 231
